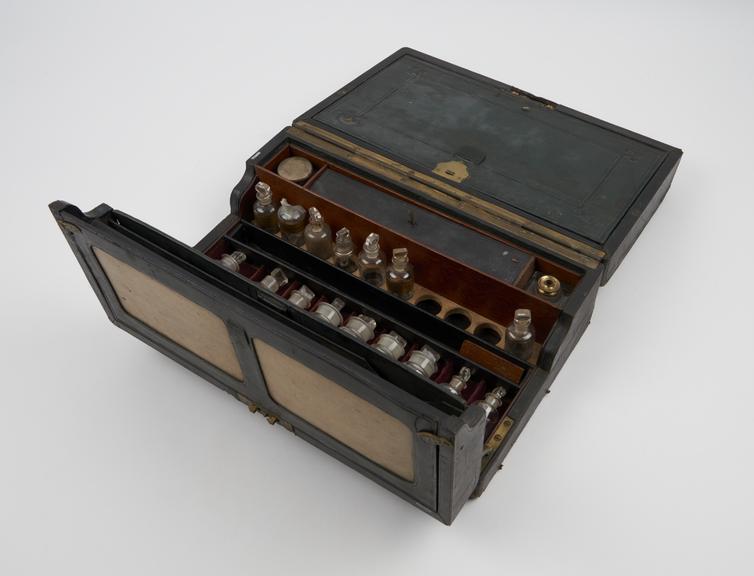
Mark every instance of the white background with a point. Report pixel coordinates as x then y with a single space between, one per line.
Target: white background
115 460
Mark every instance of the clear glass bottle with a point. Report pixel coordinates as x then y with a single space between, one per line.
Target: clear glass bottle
345 257
317 235
400 275
519 336
372 261
265 212
292 221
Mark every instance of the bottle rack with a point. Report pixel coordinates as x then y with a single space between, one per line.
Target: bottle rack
259 262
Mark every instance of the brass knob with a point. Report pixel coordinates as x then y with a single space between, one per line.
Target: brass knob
548 286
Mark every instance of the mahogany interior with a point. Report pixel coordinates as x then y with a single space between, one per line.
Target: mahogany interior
474 290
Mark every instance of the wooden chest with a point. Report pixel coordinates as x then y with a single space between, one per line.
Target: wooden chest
402 274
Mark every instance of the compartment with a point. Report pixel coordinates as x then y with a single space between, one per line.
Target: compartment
445 286
265 253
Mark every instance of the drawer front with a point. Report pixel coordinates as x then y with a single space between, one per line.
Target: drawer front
185 305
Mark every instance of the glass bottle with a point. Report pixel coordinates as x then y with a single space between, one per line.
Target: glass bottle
233 261
491 404
519 336
423 361
360 326
265 213
317 235
391 344
275 280
345 258
301 297
372 261
330 311
292 221
400 275
459 381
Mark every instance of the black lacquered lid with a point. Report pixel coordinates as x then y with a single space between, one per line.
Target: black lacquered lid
547 168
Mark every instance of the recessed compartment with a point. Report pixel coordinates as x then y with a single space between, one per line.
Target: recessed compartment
458 278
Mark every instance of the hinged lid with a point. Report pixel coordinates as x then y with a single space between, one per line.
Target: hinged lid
572 185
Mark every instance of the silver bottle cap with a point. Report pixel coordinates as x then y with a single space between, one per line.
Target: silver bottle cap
330 312
492 401
423 361
391 344
361 327
459 381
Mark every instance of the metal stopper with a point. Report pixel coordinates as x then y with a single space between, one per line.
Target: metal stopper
391 344
361 327
233 261
459 381
330 312
274 280
492 401
301 297
423 361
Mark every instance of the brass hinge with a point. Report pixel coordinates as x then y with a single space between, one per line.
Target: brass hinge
435 439
445 193
497 436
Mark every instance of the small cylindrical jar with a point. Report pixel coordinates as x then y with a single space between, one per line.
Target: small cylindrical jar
292 221
360 326
345 256
330 312
391 344
423 361
233 261
400 275
265 212
372 261
301 297
317 235
275 280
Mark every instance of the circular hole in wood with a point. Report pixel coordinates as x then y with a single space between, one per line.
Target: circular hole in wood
459 318
429 304
488 333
